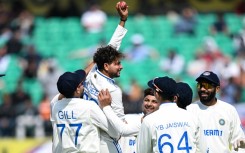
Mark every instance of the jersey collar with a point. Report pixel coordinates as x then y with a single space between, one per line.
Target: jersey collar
109 79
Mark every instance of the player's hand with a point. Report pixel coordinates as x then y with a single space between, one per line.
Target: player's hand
104 98
122 12
240 143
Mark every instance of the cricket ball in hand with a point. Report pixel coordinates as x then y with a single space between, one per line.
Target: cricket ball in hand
123 5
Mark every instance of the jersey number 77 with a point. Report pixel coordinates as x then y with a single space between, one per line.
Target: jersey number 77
77 126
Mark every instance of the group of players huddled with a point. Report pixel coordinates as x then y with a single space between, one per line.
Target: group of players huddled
87 114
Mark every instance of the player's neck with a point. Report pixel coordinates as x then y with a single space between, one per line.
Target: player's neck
105 73
211 102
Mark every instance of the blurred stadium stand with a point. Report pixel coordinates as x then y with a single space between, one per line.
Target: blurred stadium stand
58 33
59 37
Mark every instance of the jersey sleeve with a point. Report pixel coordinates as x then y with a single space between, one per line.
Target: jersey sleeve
143 140
52 103
117 37
121 127
99 119
117 104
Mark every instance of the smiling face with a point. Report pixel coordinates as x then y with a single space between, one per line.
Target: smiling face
207 92
150 104
113 70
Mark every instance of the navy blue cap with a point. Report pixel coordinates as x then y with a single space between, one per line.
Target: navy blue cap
210 77
2 75
69 81
185 94
164 85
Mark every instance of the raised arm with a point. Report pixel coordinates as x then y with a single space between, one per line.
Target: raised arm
118 34
120 31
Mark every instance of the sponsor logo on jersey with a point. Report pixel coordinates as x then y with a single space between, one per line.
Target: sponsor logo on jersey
214 132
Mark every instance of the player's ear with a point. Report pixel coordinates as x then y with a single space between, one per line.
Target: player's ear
106 66
175 98
217 88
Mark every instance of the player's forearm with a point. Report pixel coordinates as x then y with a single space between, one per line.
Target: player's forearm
117 37
89 67
120 126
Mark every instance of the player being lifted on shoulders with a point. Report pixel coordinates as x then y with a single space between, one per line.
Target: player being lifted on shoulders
107 66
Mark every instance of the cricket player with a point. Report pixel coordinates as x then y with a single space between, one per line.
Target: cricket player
149 105
220 125
107 67
170 128
75 121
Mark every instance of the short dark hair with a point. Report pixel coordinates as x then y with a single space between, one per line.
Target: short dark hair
106 54
148 91
184 94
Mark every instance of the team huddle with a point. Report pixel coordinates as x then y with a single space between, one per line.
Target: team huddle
88 115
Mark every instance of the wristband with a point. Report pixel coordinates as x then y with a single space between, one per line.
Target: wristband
123 19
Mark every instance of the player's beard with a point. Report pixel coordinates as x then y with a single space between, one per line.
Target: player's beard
207 99
115 74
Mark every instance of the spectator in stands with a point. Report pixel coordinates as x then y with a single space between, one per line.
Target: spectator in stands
231 91
31 62
197 65
132 100
187 22
48 74
25 21
139 51
7 117
238 41
94 19
19 97
174 63
220 25
29 119
14 44
44 111
32 54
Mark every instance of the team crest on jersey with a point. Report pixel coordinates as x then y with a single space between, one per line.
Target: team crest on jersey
222 122
95 76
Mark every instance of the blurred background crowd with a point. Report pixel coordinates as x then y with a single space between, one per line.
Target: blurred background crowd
39 40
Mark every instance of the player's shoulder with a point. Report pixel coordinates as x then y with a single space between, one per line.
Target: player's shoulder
55 99
152 117
100 81
225 105
194 105
87 103
131 118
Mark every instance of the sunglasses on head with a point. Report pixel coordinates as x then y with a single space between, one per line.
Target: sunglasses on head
205 85
157 89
